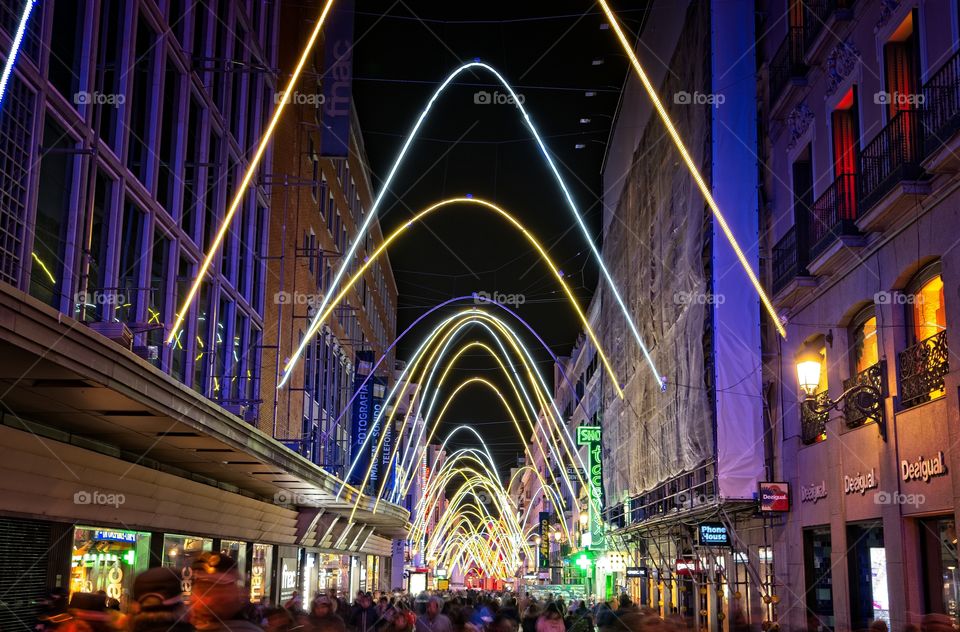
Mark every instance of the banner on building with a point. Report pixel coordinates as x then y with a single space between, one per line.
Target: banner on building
378 425
362 418
337 80
592 437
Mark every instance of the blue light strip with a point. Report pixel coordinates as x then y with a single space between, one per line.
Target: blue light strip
15 47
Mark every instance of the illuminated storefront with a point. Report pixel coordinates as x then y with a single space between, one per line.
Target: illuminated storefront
179 551
108 560
260 567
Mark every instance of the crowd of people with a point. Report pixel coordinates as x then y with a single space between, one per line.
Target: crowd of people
219 602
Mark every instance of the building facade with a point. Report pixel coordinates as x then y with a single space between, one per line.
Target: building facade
861 101
124 132
684 455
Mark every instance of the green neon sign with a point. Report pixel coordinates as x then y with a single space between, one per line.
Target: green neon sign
592 437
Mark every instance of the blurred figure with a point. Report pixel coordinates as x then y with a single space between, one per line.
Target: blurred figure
531 613
551 620
87 612
52 610
937 622
295 603
218 599
432 620
279 620
879 626
364 616
322 616
400 620
158 602
503 623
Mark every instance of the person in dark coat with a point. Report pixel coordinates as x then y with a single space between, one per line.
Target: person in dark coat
158 602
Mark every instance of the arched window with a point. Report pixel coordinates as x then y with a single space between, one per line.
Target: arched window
864 344
925 362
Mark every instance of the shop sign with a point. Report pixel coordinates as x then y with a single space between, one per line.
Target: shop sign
592 437
687 567
544 550
774 496
813 492
713 534
923 469
288 577
114 536
860 483
636 572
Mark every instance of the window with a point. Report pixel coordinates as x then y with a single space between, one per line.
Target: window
107 78
55 192
159 288
901 66
65 48
142 101
924 364
167 181
928 316
864 350
96 296
846 154
131 263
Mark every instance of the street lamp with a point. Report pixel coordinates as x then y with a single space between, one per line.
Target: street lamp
584 519
864 397
537 540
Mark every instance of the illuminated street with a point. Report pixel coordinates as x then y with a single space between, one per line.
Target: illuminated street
423 316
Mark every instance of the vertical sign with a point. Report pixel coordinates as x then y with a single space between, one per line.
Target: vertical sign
591 436
337 80
387 425
544 550
377 425
361 419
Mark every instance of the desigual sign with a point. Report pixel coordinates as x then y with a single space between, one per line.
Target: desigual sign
921 469
813 492
860 483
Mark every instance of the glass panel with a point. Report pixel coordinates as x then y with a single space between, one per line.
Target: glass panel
54 194
929 315
159 275
96 298
108 559
131 256
866 352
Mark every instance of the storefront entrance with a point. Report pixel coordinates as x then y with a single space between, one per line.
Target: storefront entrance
867 566
941 581
818 579
108 559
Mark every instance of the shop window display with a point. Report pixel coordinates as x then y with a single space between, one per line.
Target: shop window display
108 559
178 553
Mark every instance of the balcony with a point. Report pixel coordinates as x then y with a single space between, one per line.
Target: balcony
874 376
922 369
833 230
790 274
786 65
889 170
941 100
819 19
813 426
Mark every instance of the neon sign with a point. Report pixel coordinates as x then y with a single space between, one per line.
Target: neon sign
592 436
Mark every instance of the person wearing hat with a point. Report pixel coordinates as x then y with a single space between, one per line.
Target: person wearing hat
218 601
322 616
158 602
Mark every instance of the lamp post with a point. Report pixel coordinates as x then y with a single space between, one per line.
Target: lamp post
866 398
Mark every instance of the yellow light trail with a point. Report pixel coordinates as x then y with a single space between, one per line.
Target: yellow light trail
248 176
691 166
318 322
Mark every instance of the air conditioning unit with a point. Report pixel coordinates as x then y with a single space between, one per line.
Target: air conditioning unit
115 331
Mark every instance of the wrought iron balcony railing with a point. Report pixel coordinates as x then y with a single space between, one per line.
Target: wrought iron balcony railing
874 376
892 156
789 259
816 14
787 63
941 99
922 369
834 214
813 425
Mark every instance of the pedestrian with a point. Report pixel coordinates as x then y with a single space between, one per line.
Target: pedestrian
323 617
433 620
400 620
87 612
295 603
158 602
218 601
551 620
364 616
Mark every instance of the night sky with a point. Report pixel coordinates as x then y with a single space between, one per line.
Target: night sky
548 51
